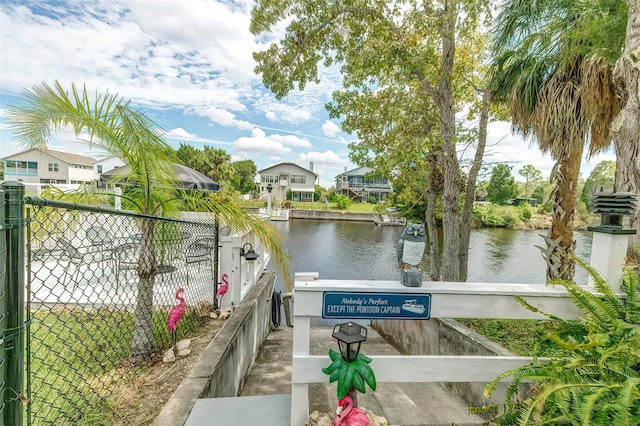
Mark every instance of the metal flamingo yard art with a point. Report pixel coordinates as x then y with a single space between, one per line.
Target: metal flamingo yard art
175 315
348 415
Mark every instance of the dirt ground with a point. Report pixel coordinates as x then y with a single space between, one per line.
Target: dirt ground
147 394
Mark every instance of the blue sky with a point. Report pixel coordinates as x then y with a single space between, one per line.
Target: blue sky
188 64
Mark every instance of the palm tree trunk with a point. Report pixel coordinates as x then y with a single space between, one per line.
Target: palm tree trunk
560 242
625 128
143 344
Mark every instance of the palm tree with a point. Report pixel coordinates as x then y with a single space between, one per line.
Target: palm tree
114 127
552 65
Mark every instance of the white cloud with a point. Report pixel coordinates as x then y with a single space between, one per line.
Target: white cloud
224 118
283 113
180 133
327 158
258 142
291 140
329 128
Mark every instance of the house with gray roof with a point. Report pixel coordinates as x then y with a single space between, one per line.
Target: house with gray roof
284 177
48 166
362 185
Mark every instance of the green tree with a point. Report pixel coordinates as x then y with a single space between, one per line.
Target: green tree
218 165
502 186
191 157
243 178
116 128
553 66
406 68
531 176
601 179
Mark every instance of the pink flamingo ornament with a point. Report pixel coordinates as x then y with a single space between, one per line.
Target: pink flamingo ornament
222 289
348 415
175 315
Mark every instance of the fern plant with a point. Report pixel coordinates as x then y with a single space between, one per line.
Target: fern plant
597 380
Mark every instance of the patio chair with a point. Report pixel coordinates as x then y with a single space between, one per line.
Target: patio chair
199 252
78 258
126 257
99 238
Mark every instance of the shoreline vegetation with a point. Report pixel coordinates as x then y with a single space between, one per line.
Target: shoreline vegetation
484 216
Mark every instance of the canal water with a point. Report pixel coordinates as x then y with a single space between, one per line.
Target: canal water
364 251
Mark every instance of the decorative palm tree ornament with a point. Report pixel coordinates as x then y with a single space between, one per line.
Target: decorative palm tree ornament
350 369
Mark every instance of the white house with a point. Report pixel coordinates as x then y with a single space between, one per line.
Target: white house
104 165
284 177
48 166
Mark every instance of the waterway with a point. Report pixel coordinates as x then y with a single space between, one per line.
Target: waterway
364 251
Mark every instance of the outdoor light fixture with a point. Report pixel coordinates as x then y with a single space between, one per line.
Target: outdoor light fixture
247 252
349 336
269 188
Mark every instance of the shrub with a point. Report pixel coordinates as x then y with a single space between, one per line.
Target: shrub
596 380
342 202
525 212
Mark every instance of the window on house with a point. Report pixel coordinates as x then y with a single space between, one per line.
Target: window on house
54 167
298 179
21 167
269 178
100 168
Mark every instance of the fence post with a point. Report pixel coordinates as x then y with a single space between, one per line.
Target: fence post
13 336
3 306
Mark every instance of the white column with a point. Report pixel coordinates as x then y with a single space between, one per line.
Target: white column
230 269
608 252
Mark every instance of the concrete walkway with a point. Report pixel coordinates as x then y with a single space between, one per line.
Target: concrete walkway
408 404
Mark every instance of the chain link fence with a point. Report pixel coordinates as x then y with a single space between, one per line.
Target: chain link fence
100 285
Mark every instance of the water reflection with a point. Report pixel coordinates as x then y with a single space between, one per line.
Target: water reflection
364 251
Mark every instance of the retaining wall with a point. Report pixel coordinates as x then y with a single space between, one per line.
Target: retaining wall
223 366
444 337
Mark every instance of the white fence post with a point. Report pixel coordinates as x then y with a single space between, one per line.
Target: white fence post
446 300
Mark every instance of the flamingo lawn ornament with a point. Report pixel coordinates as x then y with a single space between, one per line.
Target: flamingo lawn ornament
175 315
348 415
222 289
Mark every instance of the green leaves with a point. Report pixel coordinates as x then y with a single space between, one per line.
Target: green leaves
350 374
596 381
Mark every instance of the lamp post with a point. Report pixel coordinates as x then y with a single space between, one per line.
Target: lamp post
269 189
610 238
349 336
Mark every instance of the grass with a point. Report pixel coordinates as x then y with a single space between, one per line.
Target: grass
524 337
79 362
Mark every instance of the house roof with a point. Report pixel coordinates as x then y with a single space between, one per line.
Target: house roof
361 171
67 157
286 164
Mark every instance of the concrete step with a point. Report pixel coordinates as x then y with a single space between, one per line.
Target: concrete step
409 404
264 410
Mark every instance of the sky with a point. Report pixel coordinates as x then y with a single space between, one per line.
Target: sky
188 65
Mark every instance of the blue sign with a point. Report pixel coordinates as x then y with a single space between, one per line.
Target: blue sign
376 305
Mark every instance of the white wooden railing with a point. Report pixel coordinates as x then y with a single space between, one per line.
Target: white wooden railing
448 300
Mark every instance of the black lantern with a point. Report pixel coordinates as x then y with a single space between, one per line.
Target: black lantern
349 336
269 188
247 252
